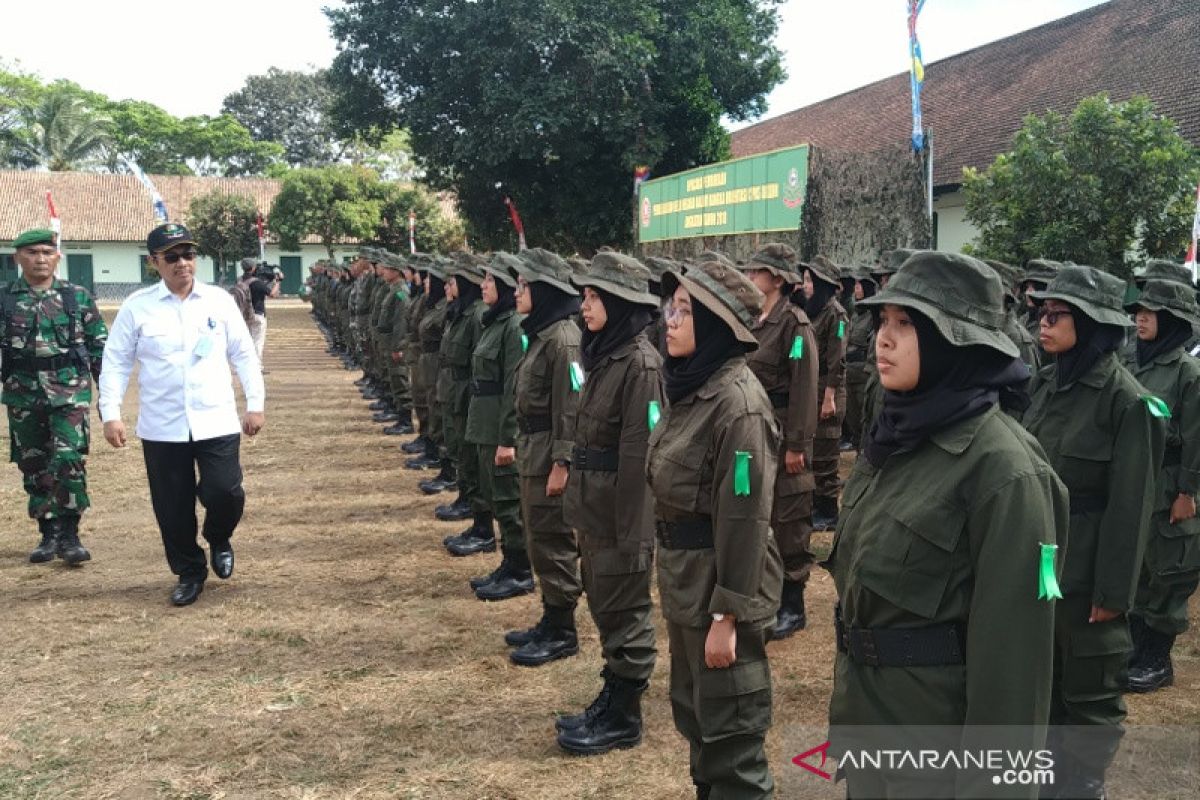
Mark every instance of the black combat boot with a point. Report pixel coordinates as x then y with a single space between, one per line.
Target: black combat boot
387 415
363 381
617 723
47 547
513 579
555 638
427 460
791 617
483 580
825 514
703 790
370 392
578 720
382 404
69 548
417 445
446 480
479 538
452 512
1155 669
403 426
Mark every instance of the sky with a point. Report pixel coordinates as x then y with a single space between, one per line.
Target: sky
187 56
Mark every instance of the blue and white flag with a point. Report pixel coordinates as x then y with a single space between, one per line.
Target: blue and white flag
916 73
160 208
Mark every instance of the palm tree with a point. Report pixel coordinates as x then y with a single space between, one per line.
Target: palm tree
60 132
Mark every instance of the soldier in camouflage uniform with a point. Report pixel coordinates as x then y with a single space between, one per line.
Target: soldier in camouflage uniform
53 342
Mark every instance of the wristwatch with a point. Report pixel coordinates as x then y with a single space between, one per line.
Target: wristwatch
562 462
718 617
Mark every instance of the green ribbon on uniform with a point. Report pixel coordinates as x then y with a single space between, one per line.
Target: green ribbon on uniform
653 414
577 376
1047 582
400 295
524 343
797 348
841 328
741 474
1157 407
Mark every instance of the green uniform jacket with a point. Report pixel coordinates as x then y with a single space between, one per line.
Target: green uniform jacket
613 414
1175 379
458 344
1102 441
412 346
432 329
951 532
826 326
787 369
393 314
40 328
1025 342
544 389
691 470
859 340
492 418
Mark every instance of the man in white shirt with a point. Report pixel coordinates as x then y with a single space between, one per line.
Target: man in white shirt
183 334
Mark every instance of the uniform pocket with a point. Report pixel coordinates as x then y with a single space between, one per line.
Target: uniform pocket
1173 549
912 557
735 701
1086 460
1096 664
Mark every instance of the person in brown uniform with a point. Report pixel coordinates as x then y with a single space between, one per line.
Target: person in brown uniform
859 343
711 467
785 363
607 500
546 399
830 324
430 329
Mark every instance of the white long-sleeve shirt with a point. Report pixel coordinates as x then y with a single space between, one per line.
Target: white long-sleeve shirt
183 349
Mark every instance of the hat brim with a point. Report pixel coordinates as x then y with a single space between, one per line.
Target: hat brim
533 276
820 275
788 276
1105 316
958 332
623 292
502 275
469 276
1150 305
701 293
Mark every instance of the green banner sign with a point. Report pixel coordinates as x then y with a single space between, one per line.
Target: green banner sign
755 194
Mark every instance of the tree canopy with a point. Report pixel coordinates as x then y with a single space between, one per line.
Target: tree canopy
225 227
1109 186
553 103
291 108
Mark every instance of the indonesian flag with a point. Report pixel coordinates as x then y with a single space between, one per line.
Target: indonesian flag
516 221
55 222
262 237
1191 262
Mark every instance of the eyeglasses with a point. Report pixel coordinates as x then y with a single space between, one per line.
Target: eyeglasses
676 316
1052 316
184 255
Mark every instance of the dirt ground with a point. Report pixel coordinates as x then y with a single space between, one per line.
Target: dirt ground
346 658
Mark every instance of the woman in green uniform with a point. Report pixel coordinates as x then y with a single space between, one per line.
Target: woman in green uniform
1098 428
1165 316
712 467
944 558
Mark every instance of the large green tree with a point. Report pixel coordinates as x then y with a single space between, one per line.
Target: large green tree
553 102
332 203
225 227
433 231
1108 186
291 108
60 130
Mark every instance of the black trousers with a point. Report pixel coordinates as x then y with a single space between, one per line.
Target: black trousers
171 469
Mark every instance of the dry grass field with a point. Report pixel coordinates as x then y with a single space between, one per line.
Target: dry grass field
346 658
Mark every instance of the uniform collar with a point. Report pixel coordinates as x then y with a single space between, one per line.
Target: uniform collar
199 289
955 439
716 382
1097 377
22 285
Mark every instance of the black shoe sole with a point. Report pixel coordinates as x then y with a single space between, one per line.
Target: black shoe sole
500 597
1146 688
620 744
487 548
520 662
75 562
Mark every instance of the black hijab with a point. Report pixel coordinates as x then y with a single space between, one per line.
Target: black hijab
550 304
715 344
437 290
1092 341
822 293
468 293
625 321
506 301
1173 332
956 383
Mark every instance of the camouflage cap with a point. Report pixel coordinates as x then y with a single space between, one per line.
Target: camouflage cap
777 258
466 265
960 295
1099 295
367 252
723 290
503 267
393 261
1169 296
660 266
1157 269
542 266
33 236
1040 270
714 255
618 274
824 269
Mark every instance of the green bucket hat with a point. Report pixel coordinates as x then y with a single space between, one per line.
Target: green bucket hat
467 266
723 290
542 266
1040 270
1099 295
777 258
367 252
824 269
578 264
1009 275
33 236
1169 296
864 275
619 274
393 261
960 295
503 267
1157 269
439 267
660 266
891 261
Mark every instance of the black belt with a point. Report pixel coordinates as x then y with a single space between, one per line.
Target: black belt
929 646
686 534
779 399
460 373
43 363
486 388
1083 503
1173 456
595 460
535 424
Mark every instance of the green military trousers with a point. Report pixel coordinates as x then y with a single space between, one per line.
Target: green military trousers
826 452
1170 573
49 445
420 393
398 385
616 577
856 387
428 367
791 520
500 492
553 550
724 713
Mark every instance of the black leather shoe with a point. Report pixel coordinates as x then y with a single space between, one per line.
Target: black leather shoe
520 638
423 462
553 644
615 725
511 582
222 562
385 416
401 428
186 592
442 482
470 545
458 510
791 616
363 381
480 581
370 393
378 405
417 445
824 522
